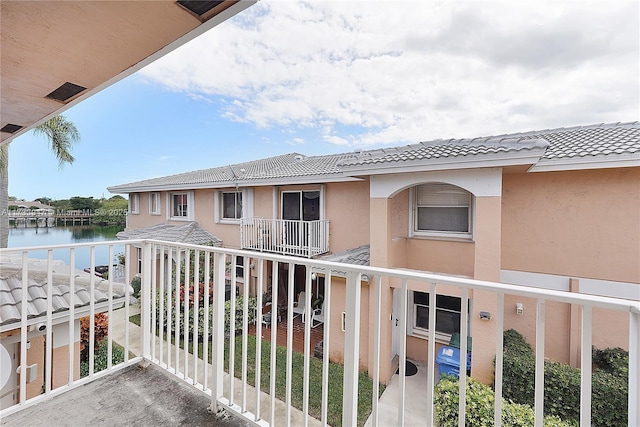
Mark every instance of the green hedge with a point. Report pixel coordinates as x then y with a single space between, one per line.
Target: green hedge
102 357
480 404
562 383
252 313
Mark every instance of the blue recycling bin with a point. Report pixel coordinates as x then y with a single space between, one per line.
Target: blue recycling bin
448 361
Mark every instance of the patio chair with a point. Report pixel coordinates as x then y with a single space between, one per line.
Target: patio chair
317 317
298 306
266 315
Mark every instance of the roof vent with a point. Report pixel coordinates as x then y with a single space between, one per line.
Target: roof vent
65 92
199 7
11 128
298 157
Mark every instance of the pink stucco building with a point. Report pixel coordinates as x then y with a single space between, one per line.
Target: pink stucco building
556 209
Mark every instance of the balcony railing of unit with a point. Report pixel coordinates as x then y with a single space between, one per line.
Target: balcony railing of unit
288 237
169 314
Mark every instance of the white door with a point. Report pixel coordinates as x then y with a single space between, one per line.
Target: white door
395 322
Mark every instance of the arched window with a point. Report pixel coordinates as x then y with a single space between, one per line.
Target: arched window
442 209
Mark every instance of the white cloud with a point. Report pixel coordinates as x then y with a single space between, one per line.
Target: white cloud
395 72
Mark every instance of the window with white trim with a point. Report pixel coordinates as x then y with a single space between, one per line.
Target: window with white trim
448 311
154 203
231 204
442 210
134 203
181 206
240 267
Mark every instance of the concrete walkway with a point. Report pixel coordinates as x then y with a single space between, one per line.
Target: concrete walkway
415 412
119 321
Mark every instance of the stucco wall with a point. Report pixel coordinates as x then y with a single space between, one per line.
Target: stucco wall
338 299
575 223
347 209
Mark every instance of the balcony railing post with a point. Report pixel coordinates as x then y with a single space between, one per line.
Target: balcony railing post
351 350
634 370
217 330
146 302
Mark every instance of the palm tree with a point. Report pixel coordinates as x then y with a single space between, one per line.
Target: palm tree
62 135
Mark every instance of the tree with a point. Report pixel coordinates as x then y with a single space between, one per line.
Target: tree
83 203
61 134
44 200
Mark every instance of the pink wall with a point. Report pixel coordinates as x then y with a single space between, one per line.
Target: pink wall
576 223
338 298
347 209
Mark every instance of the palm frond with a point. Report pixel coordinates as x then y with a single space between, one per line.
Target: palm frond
62 134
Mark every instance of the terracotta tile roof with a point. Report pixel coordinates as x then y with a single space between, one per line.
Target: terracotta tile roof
190 233
580 141
290 165
607 142
595 140
442 149
37 288
356 256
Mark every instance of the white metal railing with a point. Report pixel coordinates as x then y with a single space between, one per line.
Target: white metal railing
288 237
170 313
45 306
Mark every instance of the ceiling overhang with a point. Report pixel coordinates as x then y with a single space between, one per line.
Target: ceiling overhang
57 53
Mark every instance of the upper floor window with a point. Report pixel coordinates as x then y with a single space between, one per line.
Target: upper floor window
154 203
134 203
231 205
181 206
442 210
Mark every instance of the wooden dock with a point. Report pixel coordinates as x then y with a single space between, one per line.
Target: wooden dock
49 218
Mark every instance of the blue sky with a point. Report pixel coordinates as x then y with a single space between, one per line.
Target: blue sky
327 77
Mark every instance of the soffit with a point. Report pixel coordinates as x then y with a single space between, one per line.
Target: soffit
48 43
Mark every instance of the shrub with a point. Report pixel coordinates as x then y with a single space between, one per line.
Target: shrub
252 304
612 360
518 369
479 409
252 314
562 383
101 329
136 284
201 294
102 356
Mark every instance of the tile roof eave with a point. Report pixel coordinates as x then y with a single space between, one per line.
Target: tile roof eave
591 162
297 180
515 158
63 316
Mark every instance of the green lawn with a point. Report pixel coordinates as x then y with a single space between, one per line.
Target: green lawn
335 383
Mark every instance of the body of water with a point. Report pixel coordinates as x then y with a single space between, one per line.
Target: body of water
31 236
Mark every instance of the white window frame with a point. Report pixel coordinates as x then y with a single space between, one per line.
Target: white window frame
435 234
134 203
247 205
421 332
239 268
320 189
190 206
158 209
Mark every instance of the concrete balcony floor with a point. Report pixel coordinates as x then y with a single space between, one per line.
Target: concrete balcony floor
130 397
